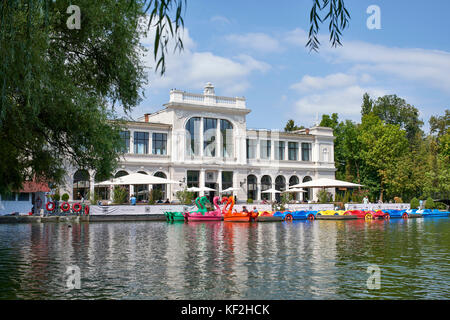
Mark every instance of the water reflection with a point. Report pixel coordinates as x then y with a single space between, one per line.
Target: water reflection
226 260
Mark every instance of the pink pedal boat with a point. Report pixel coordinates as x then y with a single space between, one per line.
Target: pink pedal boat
207 216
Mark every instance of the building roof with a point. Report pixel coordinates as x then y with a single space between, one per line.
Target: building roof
33 186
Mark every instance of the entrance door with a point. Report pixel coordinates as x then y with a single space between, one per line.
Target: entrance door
211 194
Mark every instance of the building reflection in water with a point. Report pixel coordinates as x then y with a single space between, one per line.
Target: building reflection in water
225 260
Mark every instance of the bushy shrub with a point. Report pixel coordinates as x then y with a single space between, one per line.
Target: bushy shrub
323 196
440 206
429 203
249 200
120 195
155 195
398 200
56 197
65 197
415 203
185 196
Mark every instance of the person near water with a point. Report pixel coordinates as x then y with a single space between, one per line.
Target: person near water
133 200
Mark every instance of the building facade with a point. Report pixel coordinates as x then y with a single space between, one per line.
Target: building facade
202 140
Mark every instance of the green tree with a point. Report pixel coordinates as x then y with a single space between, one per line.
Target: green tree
381 147
291 126
331 122
394 110
58 84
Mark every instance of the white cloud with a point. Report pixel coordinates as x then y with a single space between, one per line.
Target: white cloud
190 69
255 41
429 68
297 37
345 101
220 20
336 80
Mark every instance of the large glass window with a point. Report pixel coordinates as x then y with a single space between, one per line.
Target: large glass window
227 179
81 184
209 137
141 142
251 148
280 185
292 182
279 150
159 143
193 178
161 187
252 187
193 136
226 130
265 149
25 196
306 151
125 136
307 195
266 183
293 150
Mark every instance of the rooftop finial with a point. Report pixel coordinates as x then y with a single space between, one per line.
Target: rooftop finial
209 89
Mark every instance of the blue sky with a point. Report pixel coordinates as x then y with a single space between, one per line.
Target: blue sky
256 49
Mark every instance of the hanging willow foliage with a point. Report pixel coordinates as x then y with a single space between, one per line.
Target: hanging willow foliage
59 86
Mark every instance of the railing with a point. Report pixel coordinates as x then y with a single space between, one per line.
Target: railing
181 96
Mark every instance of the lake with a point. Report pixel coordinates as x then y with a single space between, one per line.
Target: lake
226 260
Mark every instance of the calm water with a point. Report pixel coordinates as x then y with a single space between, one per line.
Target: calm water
216 260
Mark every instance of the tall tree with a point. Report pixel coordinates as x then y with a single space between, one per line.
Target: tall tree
382 145
59 86
394 110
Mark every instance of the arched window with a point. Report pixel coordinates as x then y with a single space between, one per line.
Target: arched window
307 195
266 183
226 131
121 173
209 137
141 190
81 184
161 187
292 182
280 185
252 187
193 127
101 192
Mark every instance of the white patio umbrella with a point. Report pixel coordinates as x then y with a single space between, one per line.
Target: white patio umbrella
197 189
230 189
271 191
294 190
136 178
326 183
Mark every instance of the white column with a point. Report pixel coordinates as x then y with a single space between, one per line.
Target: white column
218 140
91 185
201 137
286 150
202 181
219 180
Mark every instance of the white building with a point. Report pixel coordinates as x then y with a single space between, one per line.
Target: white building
203 140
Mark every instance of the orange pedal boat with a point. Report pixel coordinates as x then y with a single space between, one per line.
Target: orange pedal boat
229 215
